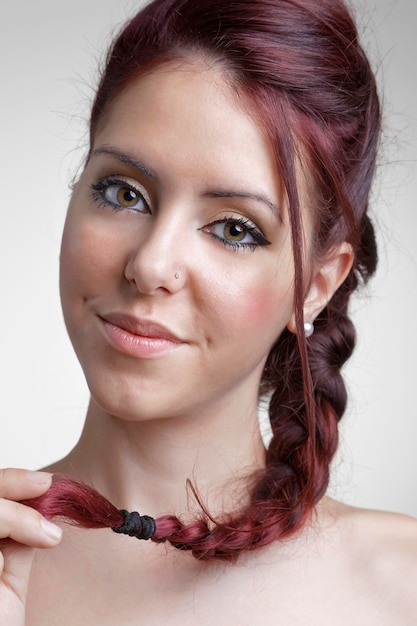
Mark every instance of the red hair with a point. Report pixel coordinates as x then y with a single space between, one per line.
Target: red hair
300 65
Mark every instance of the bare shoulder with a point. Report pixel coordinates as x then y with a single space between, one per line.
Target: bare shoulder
386 534
383 549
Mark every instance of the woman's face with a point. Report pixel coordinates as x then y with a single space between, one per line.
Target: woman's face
176 263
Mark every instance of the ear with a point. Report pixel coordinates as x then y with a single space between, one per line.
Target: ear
326 279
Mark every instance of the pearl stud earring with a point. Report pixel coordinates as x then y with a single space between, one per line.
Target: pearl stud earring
308 329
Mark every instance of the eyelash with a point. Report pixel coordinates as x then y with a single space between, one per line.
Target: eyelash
99 194
247 225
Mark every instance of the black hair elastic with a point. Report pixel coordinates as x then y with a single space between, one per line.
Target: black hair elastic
135 525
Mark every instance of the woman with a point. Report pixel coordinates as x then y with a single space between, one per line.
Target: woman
211 246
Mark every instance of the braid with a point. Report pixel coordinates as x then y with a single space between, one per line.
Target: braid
296 474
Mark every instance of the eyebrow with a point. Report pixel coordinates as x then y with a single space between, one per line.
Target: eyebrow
251 196
125 158
137 165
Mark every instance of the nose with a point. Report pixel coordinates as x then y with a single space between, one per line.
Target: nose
157 261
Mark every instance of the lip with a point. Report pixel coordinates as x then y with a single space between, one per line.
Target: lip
138 337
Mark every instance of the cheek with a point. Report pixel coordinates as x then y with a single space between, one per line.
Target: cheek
87 257
68 254
68 261
265 302
259 310
76 260
260 306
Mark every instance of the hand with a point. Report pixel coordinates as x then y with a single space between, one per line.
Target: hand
22 529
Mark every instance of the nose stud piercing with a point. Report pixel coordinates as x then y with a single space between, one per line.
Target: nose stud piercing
176 275
308 329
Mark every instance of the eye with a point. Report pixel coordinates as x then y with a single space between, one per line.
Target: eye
120 194
236 233
124 196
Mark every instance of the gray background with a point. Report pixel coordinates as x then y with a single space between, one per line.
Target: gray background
49 51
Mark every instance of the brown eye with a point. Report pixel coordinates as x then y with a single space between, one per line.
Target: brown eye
234 232
120 195
127 197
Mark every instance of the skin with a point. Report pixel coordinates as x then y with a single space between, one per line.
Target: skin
148 428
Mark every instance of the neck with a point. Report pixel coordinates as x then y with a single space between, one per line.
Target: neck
145 465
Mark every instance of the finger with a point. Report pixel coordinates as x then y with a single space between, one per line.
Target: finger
27 526
19 484
16 566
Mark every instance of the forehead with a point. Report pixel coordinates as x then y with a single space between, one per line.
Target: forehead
193 85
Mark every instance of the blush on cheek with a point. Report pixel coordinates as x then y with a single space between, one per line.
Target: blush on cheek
263 306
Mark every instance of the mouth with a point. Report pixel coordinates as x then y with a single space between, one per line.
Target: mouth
138 337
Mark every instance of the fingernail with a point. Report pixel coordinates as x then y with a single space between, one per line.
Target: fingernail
54 532
39 478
